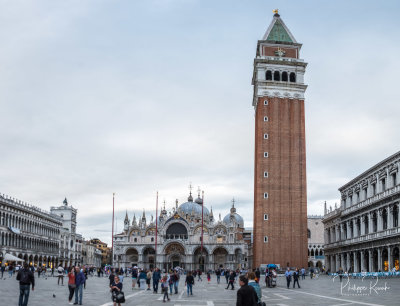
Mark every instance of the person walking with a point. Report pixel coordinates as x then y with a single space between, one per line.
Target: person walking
256 286
71 283
10 271
199 275
3 268
79 281
25 278
189 282
303 273
156 279
171 282
60 275
148 279
208 276
258 275
340 273
227 276
176 281
134 277
246 295
296 278
164 287
85 271
142 280
288 275
116 290
218 274
111 276
231 280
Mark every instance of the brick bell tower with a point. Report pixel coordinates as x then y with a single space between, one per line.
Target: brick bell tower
280 191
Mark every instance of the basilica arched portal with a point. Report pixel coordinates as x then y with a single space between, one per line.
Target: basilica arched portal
220 257
132 257
200 259
175 255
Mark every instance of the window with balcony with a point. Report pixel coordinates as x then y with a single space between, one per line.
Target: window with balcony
373 186
383 184
394 179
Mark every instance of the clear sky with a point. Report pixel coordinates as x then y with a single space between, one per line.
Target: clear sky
133 97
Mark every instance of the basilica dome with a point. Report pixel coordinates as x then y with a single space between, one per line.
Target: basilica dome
188 207
234 217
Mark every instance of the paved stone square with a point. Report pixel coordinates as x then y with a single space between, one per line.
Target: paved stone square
321 291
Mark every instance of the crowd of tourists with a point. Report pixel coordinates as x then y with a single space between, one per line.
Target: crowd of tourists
155 280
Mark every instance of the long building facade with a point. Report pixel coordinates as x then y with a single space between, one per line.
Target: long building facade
179 235
363 233
280 191
29 233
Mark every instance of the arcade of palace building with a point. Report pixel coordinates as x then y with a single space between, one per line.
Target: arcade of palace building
179 239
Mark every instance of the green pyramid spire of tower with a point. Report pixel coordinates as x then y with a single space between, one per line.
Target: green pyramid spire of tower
279 33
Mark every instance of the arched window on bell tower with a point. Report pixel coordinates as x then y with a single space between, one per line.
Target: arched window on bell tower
268 75
277 76
292 77
284 76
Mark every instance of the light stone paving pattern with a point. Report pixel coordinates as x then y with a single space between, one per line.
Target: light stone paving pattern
321 291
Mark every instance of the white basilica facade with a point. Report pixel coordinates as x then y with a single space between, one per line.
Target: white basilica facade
179 240
363 233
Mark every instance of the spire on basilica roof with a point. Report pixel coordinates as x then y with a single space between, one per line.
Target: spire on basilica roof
278 31
65 202
134 220
190 198
126 216
233 209
199 200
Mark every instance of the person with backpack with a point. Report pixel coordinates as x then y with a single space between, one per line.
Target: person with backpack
296 276
231 280
256 286
189 282
246 295
60 272
25 278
